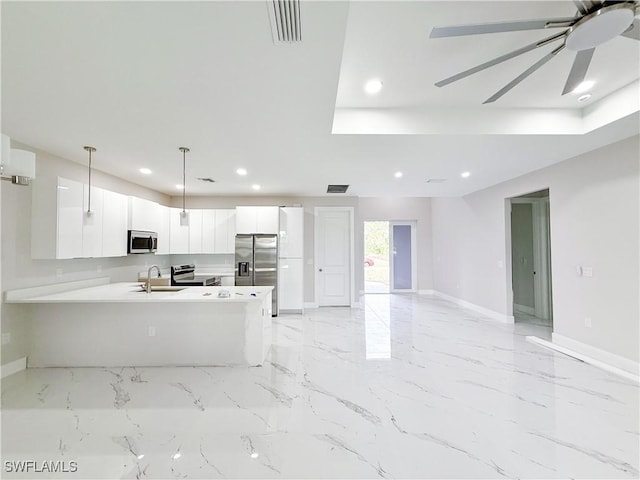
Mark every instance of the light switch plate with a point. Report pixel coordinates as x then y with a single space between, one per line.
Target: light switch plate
587 271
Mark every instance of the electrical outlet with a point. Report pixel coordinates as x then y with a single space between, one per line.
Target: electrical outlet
587 271
152 331
58 272
587 322
99 268
6 338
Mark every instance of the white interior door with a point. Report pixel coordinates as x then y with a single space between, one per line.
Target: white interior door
402 253
333 245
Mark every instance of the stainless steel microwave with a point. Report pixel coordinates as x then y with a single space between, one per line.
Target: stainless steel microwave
141 241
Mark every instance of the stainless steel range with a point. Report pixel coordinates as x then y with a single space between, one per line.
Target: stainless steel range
184 275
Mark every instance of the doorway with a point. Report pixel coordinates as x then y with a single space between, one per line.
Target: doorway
390 257
531 259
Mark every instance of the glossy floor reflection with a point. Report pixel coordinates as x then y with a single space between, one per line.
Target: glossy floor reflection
406 386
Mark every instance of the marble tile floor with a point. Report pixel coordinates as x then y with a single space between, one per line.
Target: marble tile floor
405 386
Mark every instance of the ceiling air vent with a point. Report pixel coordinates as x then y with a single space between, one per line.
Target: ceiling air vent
285 20
209 180
436 180
337 188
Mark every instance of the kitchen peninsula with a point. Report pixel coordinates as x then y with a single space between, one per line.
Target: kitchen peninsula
126 326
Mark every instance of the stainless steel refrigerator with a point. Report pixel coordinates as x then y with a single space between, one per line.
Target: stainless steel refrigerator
257 263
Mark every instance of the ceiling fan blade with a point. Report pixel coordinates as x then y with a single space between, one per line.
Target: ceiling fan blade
578 70
503 58
582 8
497 27
633 31
524 75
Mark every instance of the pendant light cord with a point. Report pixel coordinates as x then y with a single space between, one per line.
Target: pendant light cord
184 179
90 150
184 151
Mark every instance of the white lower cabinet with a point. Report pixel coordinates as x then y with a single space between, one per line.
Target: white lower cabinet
290 284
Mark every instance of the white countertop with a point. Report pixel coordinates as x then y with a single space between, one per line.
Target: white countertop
130 292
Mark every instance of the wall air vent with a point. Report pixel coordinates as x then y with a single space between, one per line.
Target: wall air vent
209 180
337 188
436 180
285 20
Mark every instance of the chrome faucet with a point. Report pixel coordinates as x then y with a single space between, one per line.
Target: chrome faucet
149 276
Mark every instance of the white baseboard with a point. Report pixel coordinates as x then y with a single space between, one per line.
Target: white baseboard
13 367
426 292
500 317
310 305
524 309
596 356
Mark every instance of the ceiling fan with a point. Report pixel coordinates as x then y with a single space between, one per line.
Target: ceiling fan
595 23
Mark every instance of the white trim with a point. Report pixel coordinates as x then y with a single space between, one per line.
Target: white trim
523 309
310 305
500 317
596 353
13 367
608 361
426 292
351 212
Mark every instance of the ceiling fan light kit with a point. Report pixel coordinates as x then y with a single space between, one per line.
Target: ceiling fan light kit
595 24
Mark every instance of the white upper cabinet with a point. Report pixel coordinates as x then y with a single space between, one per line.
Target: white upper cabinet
114 224
195 231
225 231
61 227
163 225
179 234
68 241
209 231
291 232
257 220
92 227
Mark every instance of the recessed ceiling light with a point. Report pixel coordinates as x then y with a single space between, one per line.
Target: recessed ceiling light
397 174
373 86
179 187
465 174
241 171
141 456
255 186
584 86
584 97
146 171
177 455
255 455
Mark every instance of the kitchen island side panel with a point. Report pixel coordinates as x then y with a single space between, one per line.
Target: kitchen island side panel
134 334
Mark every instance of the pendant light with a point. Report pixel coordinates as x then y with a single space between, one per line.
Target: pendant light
90 150
184 215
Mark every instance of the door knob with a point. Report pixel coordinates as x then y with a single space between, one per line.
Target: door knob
319 269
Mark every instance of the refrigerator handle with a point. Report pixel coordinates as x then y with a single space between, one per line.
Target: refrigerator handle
243 269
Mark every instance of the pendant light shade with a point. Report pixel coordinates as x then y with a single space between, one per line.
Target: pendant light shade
184 215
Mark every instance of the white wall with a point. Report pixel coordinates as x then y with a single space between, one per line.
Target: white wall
391 208
594 204
20 271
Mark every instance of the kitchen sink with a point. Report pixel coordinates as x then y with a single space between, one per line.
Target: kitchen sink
161 288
